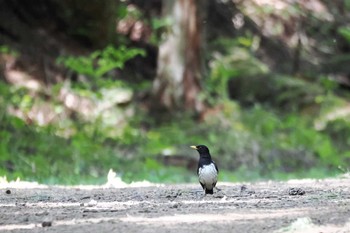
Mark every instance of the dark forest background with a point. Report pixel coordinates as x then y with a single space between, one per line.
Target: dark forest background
88 86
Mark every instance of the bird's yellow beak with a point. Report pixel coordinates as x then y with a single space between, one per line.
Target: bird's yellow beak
194 147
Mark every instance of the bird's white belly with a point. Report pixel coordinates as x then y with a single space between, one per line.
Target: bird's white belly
208 175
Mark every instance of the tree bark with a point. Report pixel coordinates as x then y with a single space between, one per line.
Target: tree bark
177 84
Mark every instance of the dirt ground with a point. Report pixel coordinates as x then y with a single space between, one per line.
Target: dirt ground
293 206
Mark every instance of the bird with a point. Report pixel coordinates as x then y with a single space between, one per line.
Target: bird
207 169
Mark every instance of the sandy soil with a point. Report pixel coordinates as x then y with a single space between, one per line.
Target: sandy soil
294 206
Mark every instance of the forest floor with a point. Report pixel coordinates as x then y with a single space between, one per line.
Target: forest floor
292 206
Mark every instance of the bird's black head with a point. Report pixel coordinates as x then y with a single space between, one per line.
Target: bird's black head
202 150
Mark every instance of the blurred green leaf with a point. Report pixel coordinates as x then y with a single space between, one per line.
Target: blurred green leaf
100 62
345 32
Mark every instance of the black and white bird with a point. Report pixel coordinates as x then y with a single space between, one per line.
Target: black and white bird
207 170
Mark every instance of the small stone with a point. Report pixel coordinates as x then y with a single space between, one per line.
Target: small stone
219 195
46 224
92 203
296 191
243 188
8 191
42 213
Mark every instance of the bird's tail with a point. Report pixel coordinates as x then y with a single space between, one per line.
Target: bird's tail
209 191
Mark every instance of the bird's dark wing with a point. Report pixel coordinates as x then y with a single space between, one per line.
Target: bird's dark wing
198 169
216 167
203 186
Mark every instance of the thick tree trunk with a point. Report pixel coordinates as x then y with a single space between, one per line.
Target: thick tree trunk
177 85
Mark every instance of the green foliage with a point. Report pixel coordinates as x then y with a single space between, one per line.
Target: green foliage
347 4
161 23
151 170
235 60
345 32
100 62
4 49
128 11
248 144
159 26
273 137
291 134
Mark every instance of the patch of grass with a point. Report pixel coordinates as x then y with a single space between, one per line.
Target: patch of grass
255 145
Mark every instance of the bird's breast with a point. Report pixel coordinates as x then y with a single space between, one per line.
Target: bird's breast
207 174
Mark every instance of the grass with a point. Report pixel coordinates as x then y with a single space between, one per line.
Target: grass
262 141
36 153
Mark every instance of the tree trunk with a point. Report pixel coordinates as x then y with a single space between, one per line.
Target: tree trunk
177 85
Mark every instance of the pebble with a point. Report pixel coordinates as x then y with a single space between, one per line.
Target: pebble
296 191
46 224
